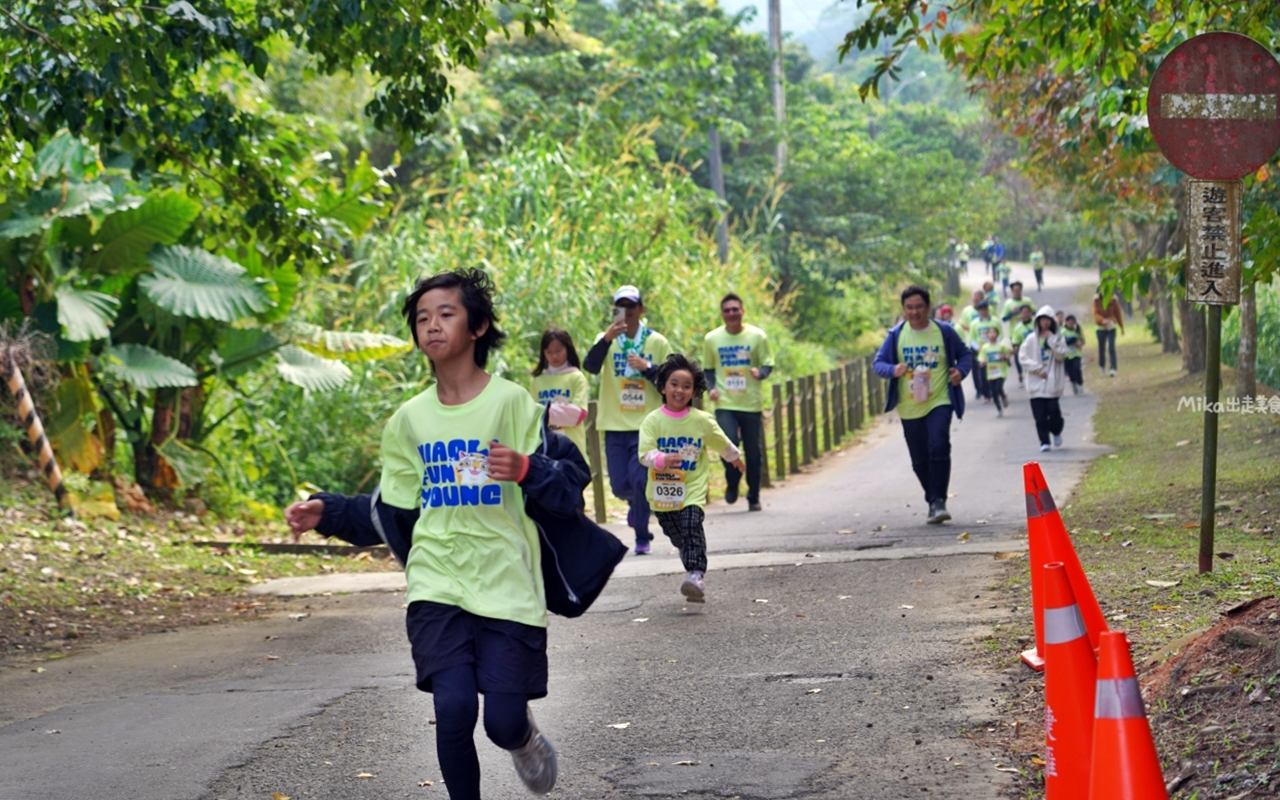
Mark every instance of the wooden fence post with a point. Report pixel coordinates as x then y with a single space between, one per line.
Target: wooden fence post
597 468
765 482
792 444
806 454
827 383
779 439
837 402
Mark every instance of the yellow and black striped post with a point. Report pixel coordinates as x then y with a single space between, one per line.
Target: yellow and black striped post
35 432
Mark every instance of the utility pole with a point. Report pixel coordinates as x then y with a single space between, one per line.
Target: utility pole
717 186
779 98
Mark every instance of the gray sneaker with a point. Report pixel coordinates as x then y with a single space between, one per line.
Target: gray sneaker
535 761
693 588
938 512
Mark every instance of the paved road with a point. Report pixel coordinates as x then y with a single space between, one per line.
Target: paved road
306 708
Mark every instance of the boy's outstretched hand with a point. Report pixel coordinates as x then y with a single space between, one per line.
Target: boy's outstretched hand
303 517
739 466
505 464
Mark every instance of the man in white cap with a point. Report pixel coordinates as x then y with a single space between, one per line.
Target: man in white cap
626 357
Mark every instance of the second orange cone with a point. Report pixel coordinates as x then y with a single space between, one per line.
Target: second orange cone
1070 675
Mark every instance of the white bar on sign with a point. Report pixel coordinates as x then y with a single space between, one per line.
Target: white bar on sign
1218 106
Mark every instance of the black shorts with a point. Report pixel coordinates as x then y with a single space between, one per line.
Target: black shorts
508 656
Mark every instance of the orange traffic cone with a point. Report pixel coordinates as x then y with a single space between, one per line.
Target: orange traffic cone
1070 675
1048 541
1125 764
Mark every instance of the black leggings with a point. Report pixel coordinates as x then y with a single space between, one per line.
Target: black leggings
457 701
1074 373
996 386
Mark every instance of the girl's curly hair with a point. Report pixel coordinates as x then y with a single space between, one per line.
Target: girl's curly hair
676 362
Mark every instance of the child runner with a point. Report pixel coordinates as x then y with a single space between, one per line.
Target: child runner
978 336
1037 264
995 356
1018 331
989 292
459 462
673 440
1074 364
1042 356
558 380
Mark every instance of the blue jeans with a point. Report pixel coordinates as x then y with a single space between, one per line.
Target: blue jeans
929 442
628 478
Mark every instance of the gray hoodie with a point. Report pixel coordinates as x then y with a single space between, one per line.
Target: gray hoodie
1045 367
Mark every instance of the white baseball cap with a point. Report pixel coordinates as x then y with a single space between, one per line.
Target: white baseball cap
628 293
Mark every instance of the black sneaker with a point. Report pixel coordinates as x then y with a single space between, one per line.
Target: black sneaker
754 505
938 513
731 494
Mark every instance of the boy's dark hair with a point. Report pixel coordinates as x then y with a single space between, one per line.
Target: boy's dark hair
1015 283
732 296
556 335
477 292
676 362
916 291
1069 318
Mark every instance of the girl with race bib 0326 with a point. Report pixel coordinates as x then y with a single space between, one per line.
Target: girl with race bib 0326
674 442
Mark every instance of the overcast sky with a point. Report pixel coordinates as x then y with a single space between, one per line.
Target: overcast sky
798 16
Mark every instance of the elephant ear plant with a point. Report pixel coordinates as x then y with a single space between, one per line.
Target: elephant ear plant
151 317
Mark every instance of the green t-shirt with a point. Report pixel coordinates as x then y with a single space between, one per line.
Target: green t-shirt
978 330
967 315
1019 331
1073 341
732 357
1004 270
924 348
962 252
694 435
1037 259
626 396
567 387
473 546
990 354
1012 308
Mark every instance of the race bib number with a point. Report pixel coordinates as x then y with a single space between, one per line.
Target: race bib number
735 381
995 370
668 489
631 398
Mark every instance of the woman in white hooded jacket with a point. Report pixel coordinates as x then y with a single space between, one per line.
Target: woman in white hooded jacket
1043 357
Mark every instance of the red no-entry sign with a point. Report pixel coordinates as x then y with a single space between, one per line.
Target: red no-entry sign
1214 106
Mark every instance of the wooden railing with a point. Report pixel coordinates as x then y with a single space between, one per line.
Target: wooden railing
810 416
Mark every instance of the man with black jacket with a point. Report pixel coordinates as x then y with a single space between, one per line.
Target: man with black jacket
925 361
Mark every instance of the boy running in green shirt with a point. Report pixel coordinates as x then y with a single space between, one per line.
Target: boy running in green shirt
1074 335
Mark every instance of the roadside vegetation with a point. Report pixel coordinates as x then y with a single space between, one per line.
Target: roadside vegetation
1134 520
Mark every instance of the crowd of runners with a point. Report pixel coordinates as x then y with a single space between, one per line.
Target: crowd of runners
481 492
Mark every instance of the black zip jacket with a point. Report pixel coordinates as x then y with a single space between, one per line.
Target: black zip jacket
578 556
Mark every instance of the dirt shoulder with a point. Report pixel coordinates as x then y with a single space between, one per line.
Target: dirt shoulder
1210 678
67 584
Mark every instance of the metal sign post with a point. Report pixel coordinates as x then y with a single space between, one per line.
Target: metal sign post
1214 110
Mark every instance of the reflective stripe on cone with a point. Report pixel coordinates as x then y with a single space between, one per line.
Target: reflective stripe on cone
1070 678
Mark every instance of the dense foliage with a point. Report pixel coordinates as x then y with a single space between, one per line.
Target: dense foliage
304 182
